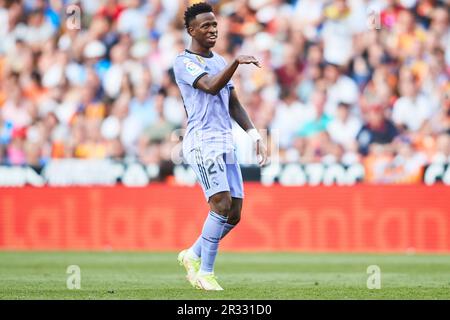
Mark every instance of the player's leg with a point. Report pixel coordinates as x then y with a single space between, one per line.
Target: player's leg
214 183
235 181
234 216
220 205
225 192
219 183
229 204
190 258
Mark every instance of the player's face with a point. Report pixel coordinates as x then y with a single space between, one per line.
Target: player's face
204 29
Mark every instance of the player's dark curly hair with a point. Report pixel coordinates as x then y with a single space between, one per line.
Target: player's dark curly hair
192 11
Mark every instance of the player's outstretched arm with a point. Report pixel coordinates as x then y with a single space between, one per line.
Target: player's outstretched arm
240 115
213 84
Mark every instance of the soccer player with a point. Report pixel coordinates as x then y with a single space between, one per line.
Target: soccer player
204 79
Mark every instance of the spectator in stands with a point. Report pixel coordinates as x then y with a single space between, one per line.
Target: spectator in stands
289 72
320 119
111 9
142 105
312 71
133 20
290 114
378 130
312 140
442 119
442 152
344 128
154 136
340 88
413 109
15 151
17 110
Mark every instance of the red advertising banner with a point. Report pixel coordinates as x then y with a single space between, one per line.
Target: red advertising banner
360 218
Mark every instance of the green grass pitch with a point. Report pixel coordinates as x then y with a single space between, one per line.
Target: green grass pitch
140 275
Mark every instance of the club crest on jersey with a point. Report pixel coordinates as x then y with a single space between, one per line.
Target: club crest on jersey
192 68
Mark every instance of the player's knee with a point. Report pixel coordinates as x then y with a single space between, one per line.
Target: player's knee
234 216
221 204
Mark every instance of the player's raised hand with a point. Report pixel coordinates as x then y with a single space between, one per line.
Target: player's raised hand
248 60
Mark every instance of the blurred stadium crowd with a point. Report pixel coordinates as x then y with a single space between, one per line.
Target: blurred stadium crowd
343 80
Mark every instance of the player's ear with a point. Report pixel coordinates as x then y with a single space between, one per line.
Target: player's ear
192 27
190 30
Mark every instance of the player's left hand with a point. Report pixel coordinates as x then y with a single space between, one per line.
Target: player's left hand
261 152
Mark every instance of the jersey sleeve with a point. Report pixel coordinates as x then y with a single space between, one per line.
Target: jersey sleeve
188 71
230 84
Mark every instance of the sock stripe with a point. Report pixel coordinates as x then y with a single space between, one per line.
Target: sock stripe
219 217
210 240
